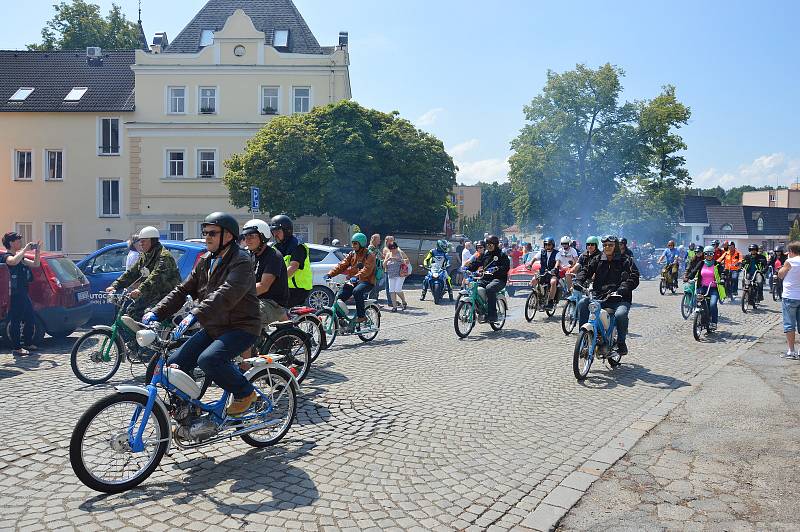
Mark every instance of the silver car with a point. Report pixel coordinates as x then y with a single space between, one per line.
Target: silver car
323 259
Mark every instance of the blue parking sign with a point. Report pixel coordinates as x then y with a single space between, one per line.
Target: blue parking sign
255 199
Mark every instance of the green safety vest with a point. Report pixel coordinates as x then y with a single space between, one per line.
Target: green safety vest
303 278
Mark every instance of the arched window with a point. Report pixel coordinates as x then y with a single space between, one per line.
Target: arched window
727 228
760 224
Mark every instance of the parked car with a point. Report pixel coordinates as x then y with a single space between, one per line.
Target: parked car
417 246
59 293
323 259
519 278
105 265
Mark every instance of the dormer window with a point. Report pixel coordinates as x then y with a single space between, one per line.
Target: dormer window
727 228
760 224
75 94
21 95
206 38
281 38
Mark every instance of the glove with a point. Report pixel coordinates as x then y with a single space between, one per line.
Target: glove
327 277
149 318
354 280
183 325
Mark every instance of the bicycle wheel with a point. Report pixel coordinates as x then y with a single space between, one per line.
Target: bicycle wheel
96 356
531 306
501 312
291 348
569 317
100 452
745 299
581 361
282 397
329 326
373 322
312 326
662 286
551 311
686 306
697 326
464 319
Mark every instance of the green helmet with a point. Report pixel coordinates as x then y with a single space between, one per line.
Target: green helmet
361 238
442 245
593 240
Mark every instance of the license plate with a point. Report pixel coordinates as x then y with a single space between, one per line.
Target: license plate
82 296
518 283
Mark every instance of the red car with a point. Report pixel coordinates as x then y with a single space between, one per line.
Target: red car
60 296
519 278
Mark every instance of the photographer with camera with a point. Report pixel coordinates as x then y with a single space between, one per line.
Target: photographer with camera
21 309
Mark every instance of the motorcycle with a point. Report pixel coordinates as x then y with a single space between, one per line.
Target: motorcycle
338 320
669 281
537 299
569 315
437 280
596 338
472 307
702 314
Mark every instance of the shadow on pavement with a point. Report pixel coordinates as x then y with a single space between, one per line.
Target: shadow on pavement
509 334
629 375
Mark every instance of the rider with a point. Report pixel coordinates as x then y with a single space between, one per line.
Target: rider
610 272
732 262
154 274
717 250
495 265
592 252
547 269
295 256
567 257
707 274
223 285
623 247
755 265
670 260
690 254
439 253
359 266
272 284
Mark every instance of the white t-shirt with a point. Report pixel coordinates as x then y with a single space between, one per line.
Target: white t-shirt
131 259
465 255
565 256
791 283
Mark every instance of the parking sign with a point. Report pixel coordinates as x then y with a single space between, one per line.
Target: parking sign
255 200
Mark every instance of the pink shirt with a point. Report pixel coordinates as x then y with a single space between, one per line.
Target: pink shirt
707 276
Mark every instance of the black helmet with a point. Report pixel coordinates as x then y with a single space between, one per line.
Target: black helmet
780 249
225 221
493 240
623 240
752 247
715 242
281 221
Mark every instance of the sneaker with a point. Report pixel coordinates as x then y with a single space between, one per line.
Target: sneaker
394 309
20 352
405 305
622 348
712 327
240 406
794 356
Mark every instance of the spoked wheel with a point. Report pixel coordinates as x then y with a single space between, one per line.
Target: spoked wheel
373 322
581 360
662 286
531 305
464 319
501 312
312 326
282 397
569 317
329 326
686 306
291 348
551 311
777 287
745 299
100 450
96 357
698 326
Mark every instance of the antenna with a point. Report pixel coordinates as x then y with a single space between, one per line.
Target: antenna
140 12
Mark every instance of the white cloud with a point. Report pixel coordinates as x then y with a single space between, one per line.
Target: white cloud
459 150
765 170
429 117
470 172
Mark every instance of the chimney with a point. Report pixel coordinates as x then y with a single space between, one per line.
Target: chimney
160 42
94 55
343 39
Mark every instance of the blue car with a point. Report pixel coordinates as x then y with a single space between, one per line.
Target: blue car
105 265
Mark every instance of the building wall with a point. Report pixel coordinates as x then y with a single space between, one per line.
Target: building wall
787 198
468 201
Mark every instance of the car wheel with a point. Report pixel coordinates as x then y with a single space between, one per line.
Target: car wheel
320 297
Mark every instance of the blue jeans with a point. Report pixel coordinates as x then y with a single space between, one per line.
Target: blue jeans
215 358
791 315
619 309
713 302
734 282
359 293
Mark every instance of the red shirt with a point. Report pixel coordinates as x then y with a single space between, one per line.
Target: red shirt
516 255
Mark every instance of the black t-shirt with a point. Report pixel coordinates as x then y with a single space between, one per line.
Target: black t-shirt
294 249
271 262
20 275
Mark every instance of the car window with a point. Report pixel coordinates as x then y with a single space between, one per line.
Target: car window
341 255
111 261
177 254
408 244
64 269
428 245
316 255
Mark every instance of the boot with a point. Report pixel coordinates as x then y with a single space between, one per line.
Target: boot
422 297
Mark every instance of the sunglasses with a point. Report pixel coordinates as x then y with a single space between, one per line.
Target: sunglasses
608 244
708 254
210 233
587 245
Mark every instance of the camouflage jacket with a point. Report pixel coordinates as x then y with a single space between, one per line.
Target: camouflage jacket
163 276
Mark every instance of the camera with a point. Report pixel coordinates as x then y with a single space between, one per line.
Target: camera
34 246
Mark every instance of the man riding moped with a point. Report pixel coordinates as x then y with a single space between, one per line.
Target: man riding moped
359 266
548 260
439 253
670 259
754 265
272 285
494 265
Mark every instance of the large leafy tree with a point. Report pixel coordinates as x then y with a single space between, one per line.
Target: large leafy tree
367 167
80 24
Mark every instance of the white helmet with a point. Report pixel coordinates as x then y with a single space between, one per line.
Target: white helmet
149 232
257 226
335 242
566 240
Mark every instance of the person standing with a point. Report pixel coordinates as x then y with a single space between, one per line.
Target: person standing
515 255
295 256
380 277
21 308
134 250
790 304
467 252
395 260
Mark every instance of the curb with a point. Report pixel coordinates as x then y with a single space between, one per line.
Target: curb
549 512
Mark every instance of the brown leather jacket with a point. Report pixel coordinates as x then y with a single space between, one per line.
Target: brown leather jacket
226 299
349 266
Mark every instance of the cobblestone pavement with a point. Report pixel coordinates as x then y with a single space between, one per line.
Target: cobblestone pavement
415 429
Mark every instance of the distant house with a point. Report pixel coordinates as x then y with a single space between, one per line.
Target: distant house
744 224
694 222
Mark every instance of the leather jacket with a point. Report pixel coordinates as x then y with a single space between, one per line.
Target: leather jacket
349 266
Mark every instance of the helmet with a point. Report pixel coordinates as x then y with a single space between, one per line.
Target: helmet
493 240
257 226
222 219
149 232
752 247
549 240
361 238
732 243
611 238
593 240
442 245
691 246
708 249
725 243
714 242
335 242
565 239
623 240
281 221
780 249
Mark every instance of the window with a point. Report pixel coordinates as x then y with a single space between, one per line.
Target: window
206 38
727 228
23 162
109 198
269 100
760 224
302 99
177 254
55 236
177 100
316 255
109 136
773 196
207 163
112 261
175 230
175 160
208 100
54 162
21 95
75 94
302 232
281 38
24 229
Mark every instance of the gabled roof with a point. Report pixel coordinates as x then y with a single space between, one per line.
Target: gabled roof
267 16
744 220
694 208
110 82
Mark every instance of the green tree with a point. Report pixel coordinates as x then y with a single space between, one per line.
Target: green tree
794 232
364 166
79 25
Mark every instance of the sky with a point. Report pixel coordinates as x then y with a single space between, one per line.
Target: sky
464 69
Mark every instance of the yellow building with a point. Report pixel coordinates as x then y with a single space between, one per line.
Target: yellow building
96 145
468 201
781 197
